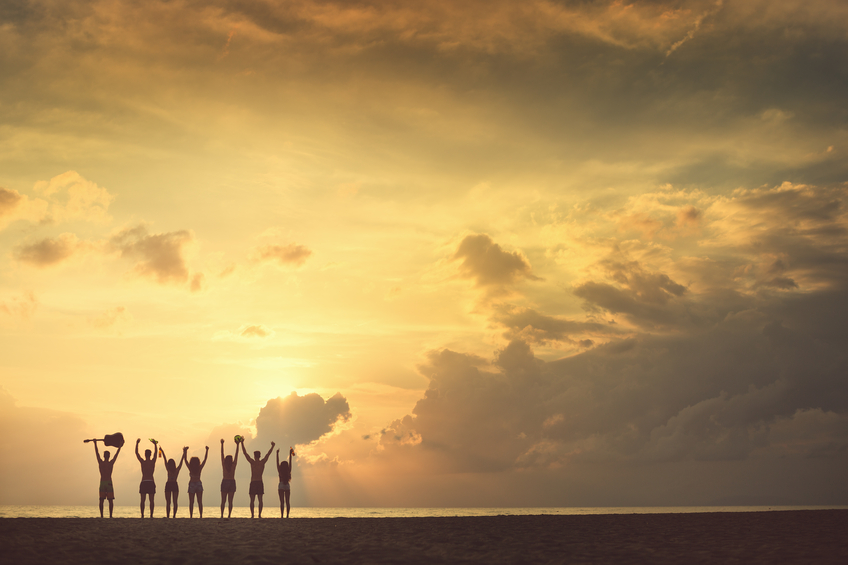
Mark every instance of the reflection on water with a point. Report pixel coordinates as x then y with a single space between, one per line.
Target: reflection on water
213 512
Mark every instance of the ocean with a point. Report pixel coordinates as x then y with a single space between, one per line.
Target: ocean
272 511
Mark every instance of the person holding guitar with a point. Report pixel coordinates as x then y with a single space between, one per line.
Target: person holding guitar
107 491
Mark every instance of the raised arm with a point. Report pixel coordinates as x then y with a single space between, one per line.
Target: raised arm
97 452
235 459
249 458
115 458
183 458
267 455
204 458
164 457
155 453
137 456
278 459
222 451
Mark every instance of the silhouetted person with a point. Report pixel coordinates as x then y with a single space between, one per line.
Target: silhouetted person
284 490
172 488
195 486
107 491
228 483
257 467
147 486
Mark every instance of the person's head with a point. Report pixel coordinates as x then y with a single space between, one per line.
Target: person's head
194 464
147 453
284 466
170 465
106 455
228 460
257 455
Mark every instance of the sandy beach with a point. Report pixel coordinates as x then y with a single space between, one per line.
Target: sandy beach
816 536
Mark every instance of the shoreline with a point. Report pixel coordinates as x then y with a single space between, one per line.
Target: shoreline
788 536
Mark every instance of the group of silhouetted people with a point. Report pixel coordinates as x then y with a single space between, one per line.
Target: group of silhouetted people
147 488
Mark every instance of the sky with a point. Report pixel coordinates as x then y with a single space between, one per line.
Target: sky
536 253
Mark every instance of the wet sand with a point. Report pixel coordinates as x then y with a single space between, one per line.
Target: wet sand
804 536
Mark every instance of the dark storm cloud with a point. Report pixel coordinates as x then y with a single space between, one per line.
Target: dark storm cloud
300 420
159 256
746 360
646 298
534 327
489 264
714 396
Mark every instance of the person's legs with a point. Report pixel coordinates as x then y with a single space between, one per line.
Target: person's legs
167 504
260 504
223 499
282 494
111 506
191 505
230 496
252 498
288 505
151 504
101 507
200 503
176 495
142 504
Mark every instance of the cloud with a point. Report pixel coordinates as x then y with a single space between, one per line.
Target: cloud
197 282
22 306
72 197
715 396
9 200
30 478
15 206
285 255
256 330
64 198
159 256
49 251
528 325
300 420
647 299
488 264
111 317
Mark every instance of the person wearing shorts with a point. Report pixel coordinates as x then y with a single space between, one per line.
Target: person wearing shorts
107 491
257 467
147 488
284 489
195 486
172 488
228 484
